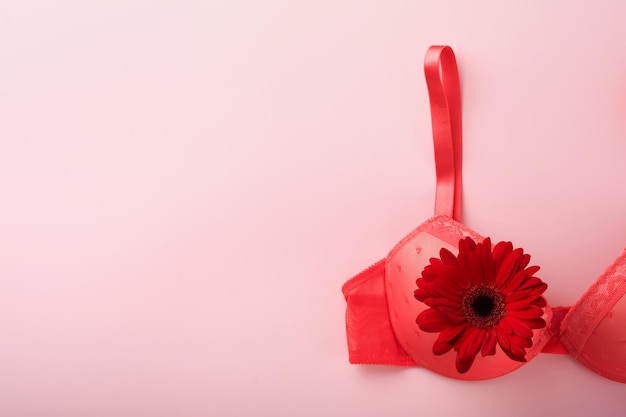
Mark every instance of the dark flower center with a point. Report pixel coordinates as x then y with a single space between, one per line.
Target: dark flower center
483 306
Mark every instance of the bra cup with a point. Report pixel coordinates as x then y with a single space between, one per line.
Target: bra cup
404 265
594 330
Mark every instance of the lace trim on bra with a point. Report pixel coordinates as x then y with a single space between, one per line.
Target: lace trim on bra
593 306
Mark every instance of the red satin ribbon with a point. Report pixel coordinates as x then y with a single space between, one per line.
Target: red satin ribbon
442 78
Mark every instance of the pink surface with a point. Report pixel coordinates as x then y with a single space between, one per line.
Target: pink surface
186 186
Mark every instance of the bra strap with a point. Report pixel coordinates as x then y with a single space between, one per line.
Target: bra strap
442 79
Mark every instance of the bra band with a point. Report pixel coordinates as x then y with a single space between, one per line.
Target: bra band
442 78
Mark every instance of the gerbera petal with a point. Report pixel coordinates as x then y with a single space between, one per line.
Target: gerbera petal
505 326
517 354
454 274
448 334
454 315
432 320
447 257
516 296
516 340
519 326
532 312
530 300
518 279
422 282
512 350
433 270
500 251
467 244
442 285
468 347
540 302
531 282
475 267
519 305
525 261
421 294
536 291
444 276
464 252
489 344
536 323
469 261
488 265
454 277
447 291
443 301
503 338
513 282
526 294
507 268
439 348
531 270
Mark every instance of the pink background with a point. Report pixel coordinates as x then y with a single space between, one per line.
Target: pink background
187 184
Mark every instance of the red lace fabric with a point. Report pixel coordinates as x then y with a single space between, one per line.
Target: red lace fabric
381 309
594 330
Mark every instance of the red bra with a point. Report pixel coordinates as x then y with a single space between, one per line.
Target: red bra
449 300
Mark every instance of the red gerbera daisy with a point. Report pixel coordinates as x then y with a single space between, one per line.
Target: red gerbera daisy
480 298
